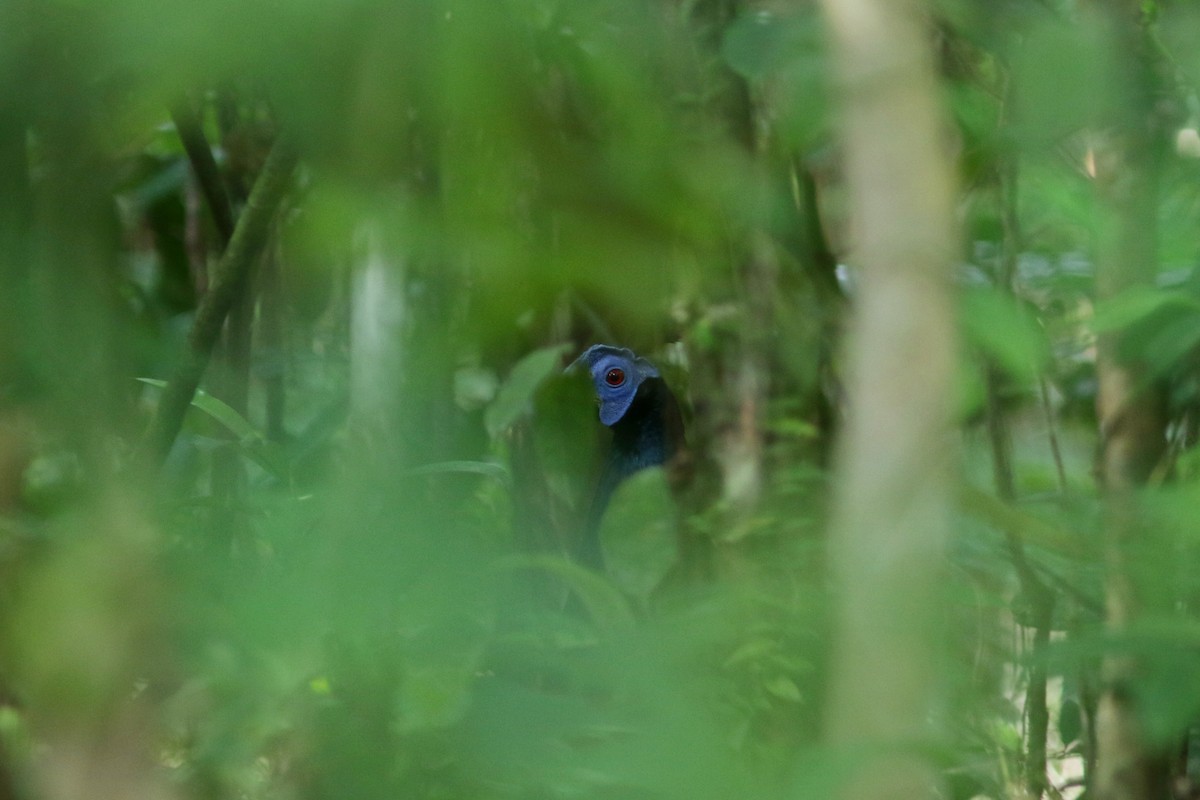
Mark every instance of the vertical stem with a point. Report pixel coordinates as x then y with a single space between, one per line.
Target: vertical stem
1130 408
204 166
1037 710
1060 471
272 347
249 237
15 215
1034 592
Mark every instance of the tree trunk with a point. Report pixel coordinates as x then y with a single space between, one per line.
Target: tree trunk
1130 408
893 491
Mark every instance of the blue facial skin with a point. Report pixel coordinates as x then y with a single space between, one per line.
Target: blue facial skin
601 360
645 420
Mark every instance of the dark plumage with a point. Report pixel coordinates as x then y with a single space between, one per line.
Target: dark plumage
647 427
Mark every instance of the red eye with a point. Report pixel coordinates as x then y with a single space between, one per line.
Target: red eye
614 377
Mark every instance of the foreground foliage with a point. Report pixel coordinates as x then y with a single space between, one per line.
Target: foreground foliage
375 232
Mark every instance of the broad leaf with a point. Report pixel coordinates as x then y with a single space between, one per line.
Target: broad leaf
516 395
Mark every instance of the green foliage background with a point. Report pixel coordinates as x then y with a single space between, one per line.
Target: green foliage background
368 594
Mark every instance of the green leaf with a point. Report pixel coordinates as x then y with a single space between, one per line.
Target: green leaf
793 428
488 469
760 43
784 688
1029 528
788 51
516 395
639 532
439 673
605 604
1005 331
220 411
252 442
756 649
1137 304
474 388
1061 73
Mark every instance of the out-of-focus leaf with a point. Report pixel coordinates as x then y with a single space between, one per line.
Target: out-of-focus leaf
1171 342
516 394
784 688
788 51
793 428
488 469
568 438
638 532
1005 331
1138 304
1029 529
761 42
50 480
1167 682
752 650
605 604
474 388
1061 79
1070 723
435 689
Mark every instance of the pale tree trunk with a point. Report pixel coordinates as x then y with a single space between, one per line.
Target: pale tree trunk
1130 408
893 463
378 319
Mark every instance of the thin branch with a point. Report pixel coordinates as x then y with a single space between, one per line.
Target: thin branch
272 345
204 166
1035 593
229 278
1052 434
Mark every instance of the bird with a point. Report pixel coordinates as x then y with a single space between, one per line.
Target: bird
642 412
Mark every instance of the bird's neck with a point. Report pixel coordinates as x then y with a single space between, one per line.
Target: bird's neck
649 434
651 431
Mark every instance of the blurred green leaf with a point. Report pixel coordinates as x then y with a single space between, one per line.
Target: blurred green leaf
638 532
760 42
438 677
1061 71
515 396
1006 331
1139 303
605 604
474 387
490 469
784 688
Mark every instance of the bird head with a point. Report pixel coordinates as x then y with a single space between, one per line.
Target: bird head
617 373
